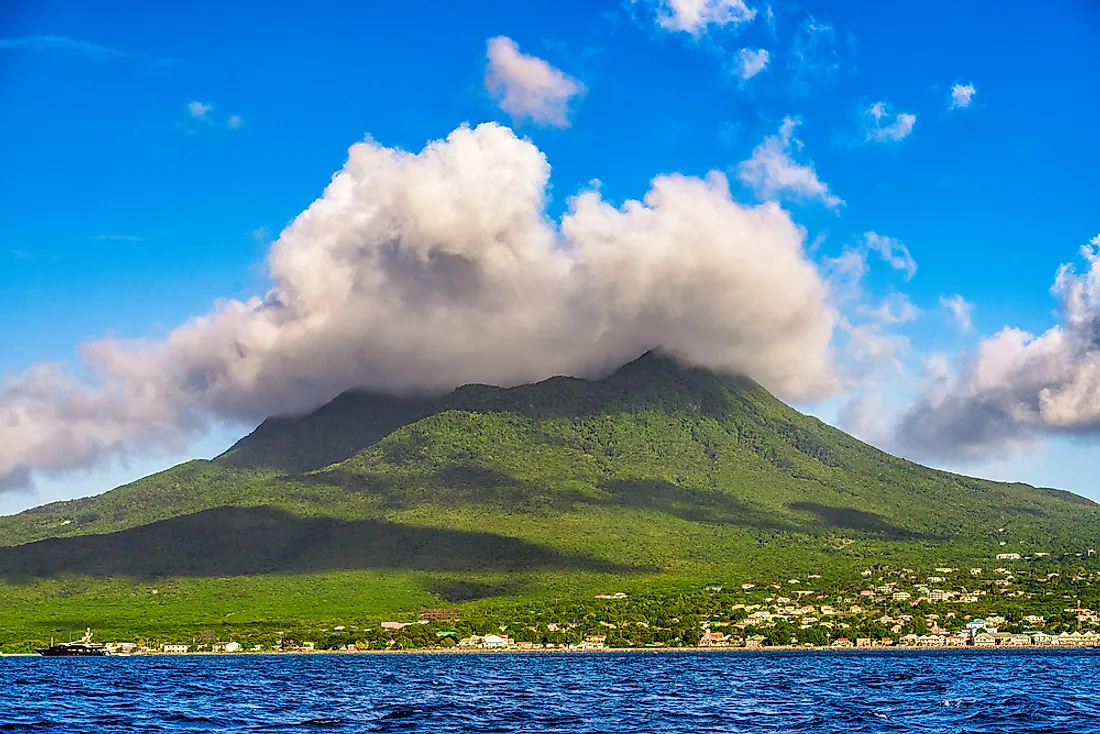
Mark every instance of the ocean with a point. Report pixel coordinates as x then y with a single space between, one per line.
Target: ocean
850 692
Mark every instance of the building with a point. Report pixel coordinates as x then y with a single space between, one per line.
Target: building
1008 556
495 642
175 649
983 639
394 625
714 639
593 642
225 647
121 648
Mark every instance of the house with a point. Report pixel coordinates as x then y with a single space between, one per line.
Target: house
394 625
909 639
495 642
754 641
863 642
842 642
120 648
225 647
1008 556
956 640
900 595
714 639
931 641
983 639
1016 640
175 649
593 642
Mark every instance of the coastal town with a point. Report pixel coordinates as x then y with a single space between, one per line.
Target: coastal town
1020 602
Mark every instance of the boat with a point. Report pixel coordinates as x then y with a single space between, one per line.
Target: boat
84 647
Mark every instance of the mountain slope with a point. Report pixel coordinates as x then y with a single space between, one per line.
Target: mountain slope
654 474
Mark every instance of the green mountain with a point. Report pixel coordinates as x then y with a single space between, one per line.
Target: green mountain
656 476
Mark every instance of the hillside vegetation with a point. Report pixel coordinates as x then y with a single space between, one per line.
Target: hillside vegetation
657 475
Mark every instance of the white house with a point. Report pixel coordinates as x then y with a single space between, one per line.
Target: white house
175 648
226 647
494 642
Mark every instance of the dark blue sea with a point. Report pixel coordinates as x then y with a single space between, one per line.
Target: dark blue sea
964 691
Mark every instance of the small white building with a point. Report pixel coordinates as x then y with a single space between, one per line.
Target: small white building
494 642
175 649
226 647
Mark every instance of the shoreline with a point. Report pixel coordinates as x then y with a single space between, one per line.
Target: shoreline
605 651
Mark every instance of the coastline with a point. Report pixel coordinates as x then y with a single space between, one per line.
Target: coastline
605 651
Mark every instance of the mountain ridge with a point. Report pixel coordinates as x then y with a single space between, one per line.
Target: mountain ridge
656 473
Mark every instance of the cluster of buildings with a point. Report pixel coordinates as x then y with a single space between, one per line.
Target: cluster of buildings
503 642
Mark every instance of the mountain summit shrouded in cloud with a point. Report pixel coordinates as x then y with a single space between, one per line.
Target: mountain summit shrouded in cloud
420 272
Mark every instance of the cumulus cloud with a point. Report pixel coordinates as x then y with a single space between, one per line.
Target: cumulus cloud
695 16
771 172
749 63
234 122
877 129
892 251
526 87
960 309
1016 387
962 95
424 271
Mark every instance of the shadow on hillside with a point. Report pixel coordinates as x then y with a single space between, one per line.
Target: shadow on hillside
454 486
693 505
847 518
239 541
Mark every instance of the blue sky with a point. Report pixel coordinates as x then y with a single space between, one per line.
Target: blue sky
152 154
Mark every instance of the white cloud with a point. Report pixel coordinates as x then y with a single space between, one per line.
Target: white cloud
234 122
60 43
876 129
895 309
962 95
1015 387
892 251
695 16
771 172
526 87
198 110
749 63
812 59
961 311
425 271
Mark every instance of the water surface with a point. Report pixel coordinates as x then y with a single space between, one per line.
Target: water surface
941 691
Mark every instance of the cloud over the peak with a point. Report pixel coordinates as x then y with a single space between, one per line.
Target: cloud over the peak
771 171
423 271
526 87
695 16
1016 387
